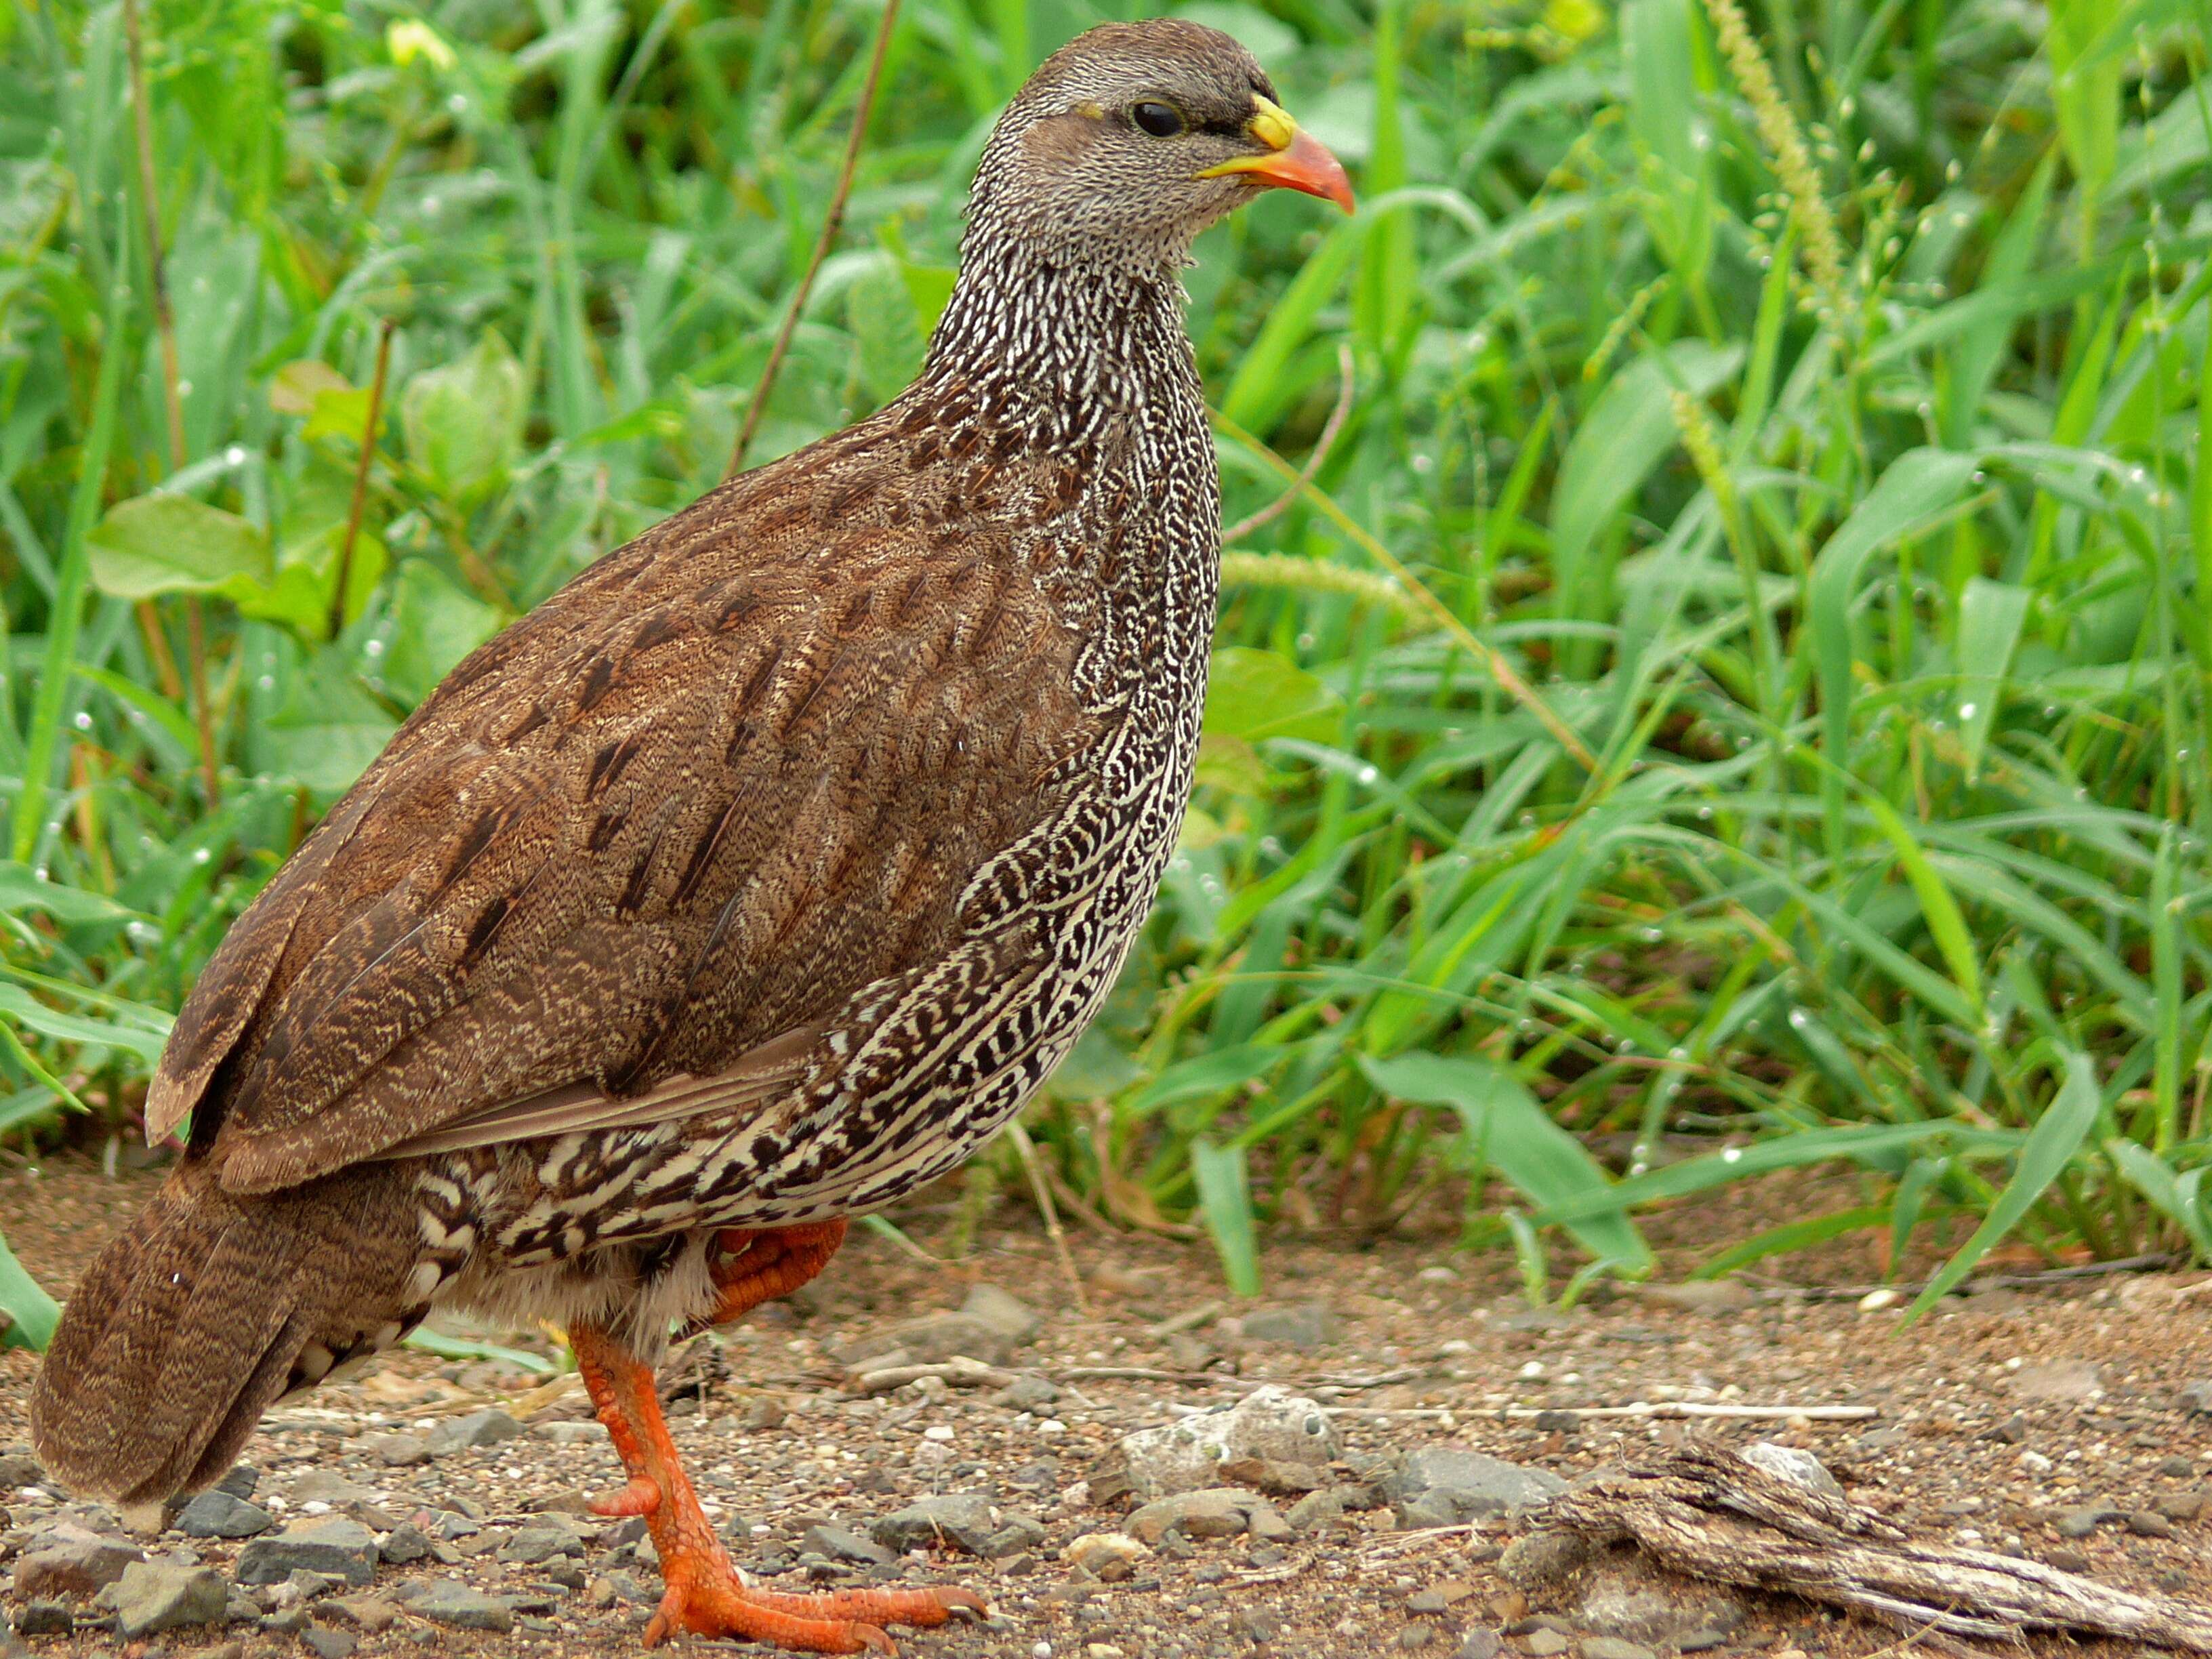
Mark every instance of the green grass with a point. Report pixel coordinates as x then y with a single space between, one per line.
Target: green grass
1736 686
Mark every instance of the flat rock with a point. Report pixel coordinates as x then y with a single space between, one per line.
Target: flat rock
1480 1643
1302 1325
570 1434
843 1544
2059 1379
1315 1511
1269 1424
157 1596
1026 1393
1214 1512
1110 1556
327 1644
398 1451
1614 1647
1703 1295
541 1540
330 1545
216 1514
442 1601
1542 1557
405 1543
961 1520
372 1612
44 1619
73 1566
2194 1398
930 1341
1620 1606
1003 1311
329 1486
485 1428
1460 1486
1796 1464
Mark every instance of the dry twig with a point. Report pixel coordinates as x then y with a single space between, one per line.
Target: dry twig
1693 1409
1331 430
830 223
361 478
1707 1512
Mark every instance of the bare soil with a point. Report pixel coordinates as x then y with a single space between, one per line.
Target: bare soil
1996 1416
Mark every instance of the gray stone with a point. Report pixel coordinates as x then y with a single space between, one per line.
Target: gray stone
1710 1296
20 1469
1018 1532
216 1514
1269 1422
241 1480
929 1340
2066 1561
1702 1639
1480 1644
329 1486
486 1428
2179 1505
44 1619
1545 1644
1465 1485
1634 1611
1794 1464
157 1596
1315 1511
405 1543
330 1545
1297 1325
541 1541
2083 1519
399 1452
1110 1556
1004 1312
2150 1523
1614 1647
2059 1379
1025 1393
1542 1557
2194 1398
327 1644
1215 1513
962 1520
442 1601
843 1543
73 1566
1267 1523
372 1612
571 1434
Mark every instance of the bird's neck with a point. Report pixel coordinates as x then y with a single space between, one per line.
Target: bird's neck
1062 342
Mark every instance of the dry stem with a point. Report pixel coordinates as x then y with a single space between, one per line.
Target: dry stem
830 223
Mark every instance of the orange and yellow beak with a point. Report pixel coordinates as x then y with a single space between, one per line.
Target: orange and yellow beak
1292 159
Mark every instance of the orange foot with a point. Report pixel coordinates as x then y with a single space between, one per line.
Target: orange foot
704 1595
704 1598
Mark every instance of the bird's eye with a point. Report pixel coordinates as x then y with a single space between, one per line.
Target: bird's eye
1158 119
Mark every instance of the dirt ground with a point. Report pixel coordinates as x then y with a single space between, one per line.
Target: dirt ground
2013 1418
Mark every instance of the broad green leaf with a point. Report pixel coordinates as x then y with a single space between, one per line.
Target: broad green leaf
1919 485
171 544
1507 1128
328 731
22 889
1254 694
1224 1202
2044 1154
32 1314
1946 926
1204 1075
143 1035
1621 439
434 625
1989 618
294 388
463 422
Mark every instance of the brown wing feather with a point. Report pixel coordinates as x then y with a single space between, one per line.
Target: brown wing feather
658 829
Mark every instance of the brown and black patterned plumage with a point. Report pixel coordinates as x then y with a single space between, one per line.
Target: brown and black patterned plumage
756 877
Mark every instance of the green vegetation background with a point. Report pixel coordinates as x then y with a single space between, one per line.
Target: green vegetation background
1730 693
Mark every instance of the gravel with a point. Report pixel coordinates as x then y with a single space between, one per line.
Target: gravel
488 1551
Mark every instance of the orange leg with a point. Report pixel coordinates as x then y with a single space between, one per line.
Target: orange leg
704 1596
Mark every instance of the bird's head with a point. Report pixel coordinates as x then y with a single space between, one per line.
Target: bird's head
1133 137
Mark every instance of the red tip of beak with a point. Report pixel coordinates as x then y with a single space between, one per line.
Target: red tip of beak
1306 165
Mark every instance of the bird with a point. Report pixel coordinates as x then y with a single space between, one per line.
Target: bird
754 879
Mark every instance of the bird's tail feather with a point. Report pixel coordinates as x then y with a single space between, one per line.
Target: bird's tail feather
206 1310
